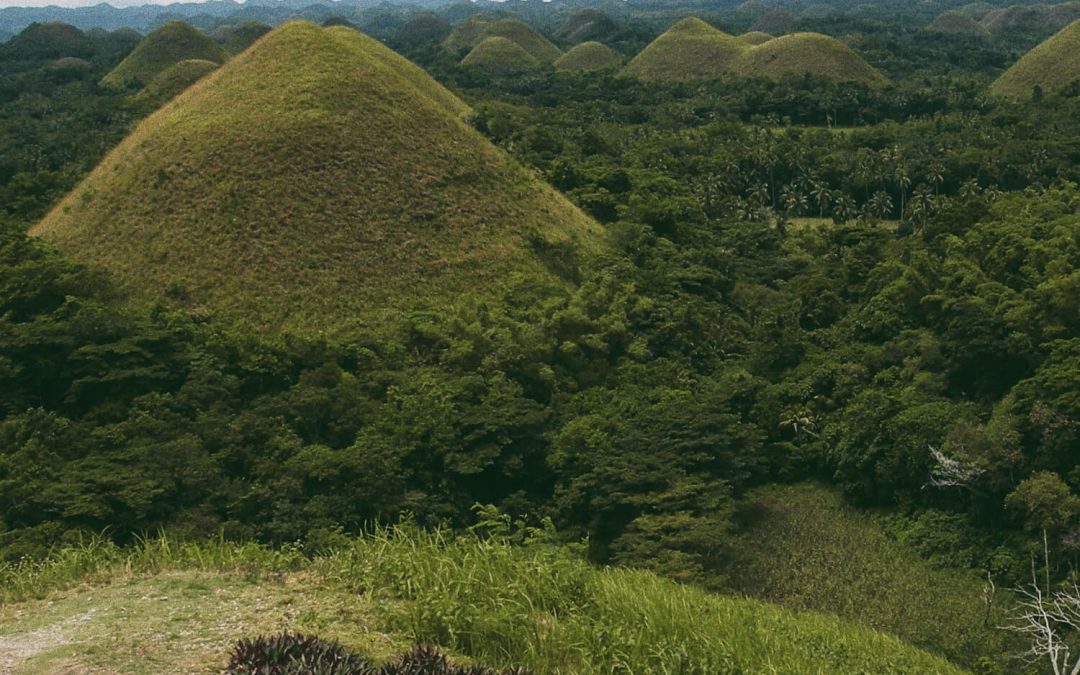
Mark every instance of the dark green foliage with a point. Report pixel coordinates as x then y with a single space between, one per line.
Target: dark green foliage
295 654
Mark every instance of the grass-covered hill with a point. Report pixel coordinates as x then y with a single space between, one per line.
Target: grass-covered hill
587 25
953 22
500 56
1031 19
316 181
588 56
169 607
47 41
689 50
173 42
694 50
801 53
236 37
173 80
804 548
471 32
1051 66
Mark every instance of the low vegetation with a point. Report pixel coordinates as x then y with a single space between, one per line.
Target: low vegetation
504 604
588 56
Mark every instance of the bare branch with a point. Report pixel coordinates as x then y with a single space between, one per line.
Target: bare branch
950 472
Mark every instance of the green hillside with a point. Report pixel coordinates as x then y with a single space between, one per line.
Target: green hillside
500 56
423 28
235 38
957 23
168 607
173 80
171 43
689 50
694 50
380 197
467 34
1051 65
588 56
587 25
44 41
805 549
801 53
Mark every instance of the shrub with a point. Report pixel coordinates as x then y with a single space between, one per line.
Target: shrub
294 654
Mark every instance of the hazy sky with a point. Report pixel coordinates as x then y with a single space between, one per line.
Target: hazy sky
85 3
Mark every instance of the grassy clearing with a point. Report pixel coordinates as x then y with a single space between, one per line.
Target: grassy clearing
588 56
1050 65
173 42
316 182
694 50
163 607
803 548
500 56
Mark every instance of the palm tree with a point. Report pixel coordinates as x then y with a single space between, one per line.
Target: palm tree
881 205
903 182
822 196
845 208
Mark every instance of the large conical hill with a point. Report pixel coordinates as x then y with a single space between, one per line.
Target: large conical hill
316 182
173 42
689 50
1051 66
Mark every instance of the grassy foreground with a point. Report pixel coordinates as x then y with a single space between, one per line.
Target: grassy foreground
163 606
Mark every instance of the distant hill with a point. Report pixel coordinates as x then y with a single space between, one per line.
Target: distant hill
800 53
956 23
1031 19
754 38
694 50
587 25
174 42
423 28
588 56
173 80
235 38
500 56
689 50
471 32
317 182
47 41
1051 65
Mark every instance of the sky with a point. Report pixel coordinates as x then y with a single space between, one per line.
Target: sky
85 3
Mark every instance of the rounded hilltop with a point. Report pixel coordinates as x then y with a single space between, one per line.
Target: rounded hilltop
589 56
317 182
1050 66
468 34
47 41
694 50
689 50
586 25
173 42
500 56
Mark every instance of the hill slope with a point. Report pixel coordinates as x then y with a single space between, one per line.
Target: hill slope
317 181
177 608
500 56
171 43
957 23
173 80
44 41
1051 65
470 33
588 56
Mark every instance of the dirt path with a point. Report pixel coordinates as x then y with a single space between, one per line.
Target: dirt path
17 648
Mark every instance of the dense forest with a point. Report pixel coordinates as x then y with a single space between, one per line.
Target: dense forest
868 288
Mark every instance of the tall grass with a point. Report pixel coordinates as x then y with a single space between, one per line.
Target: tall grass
97 560
533 605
